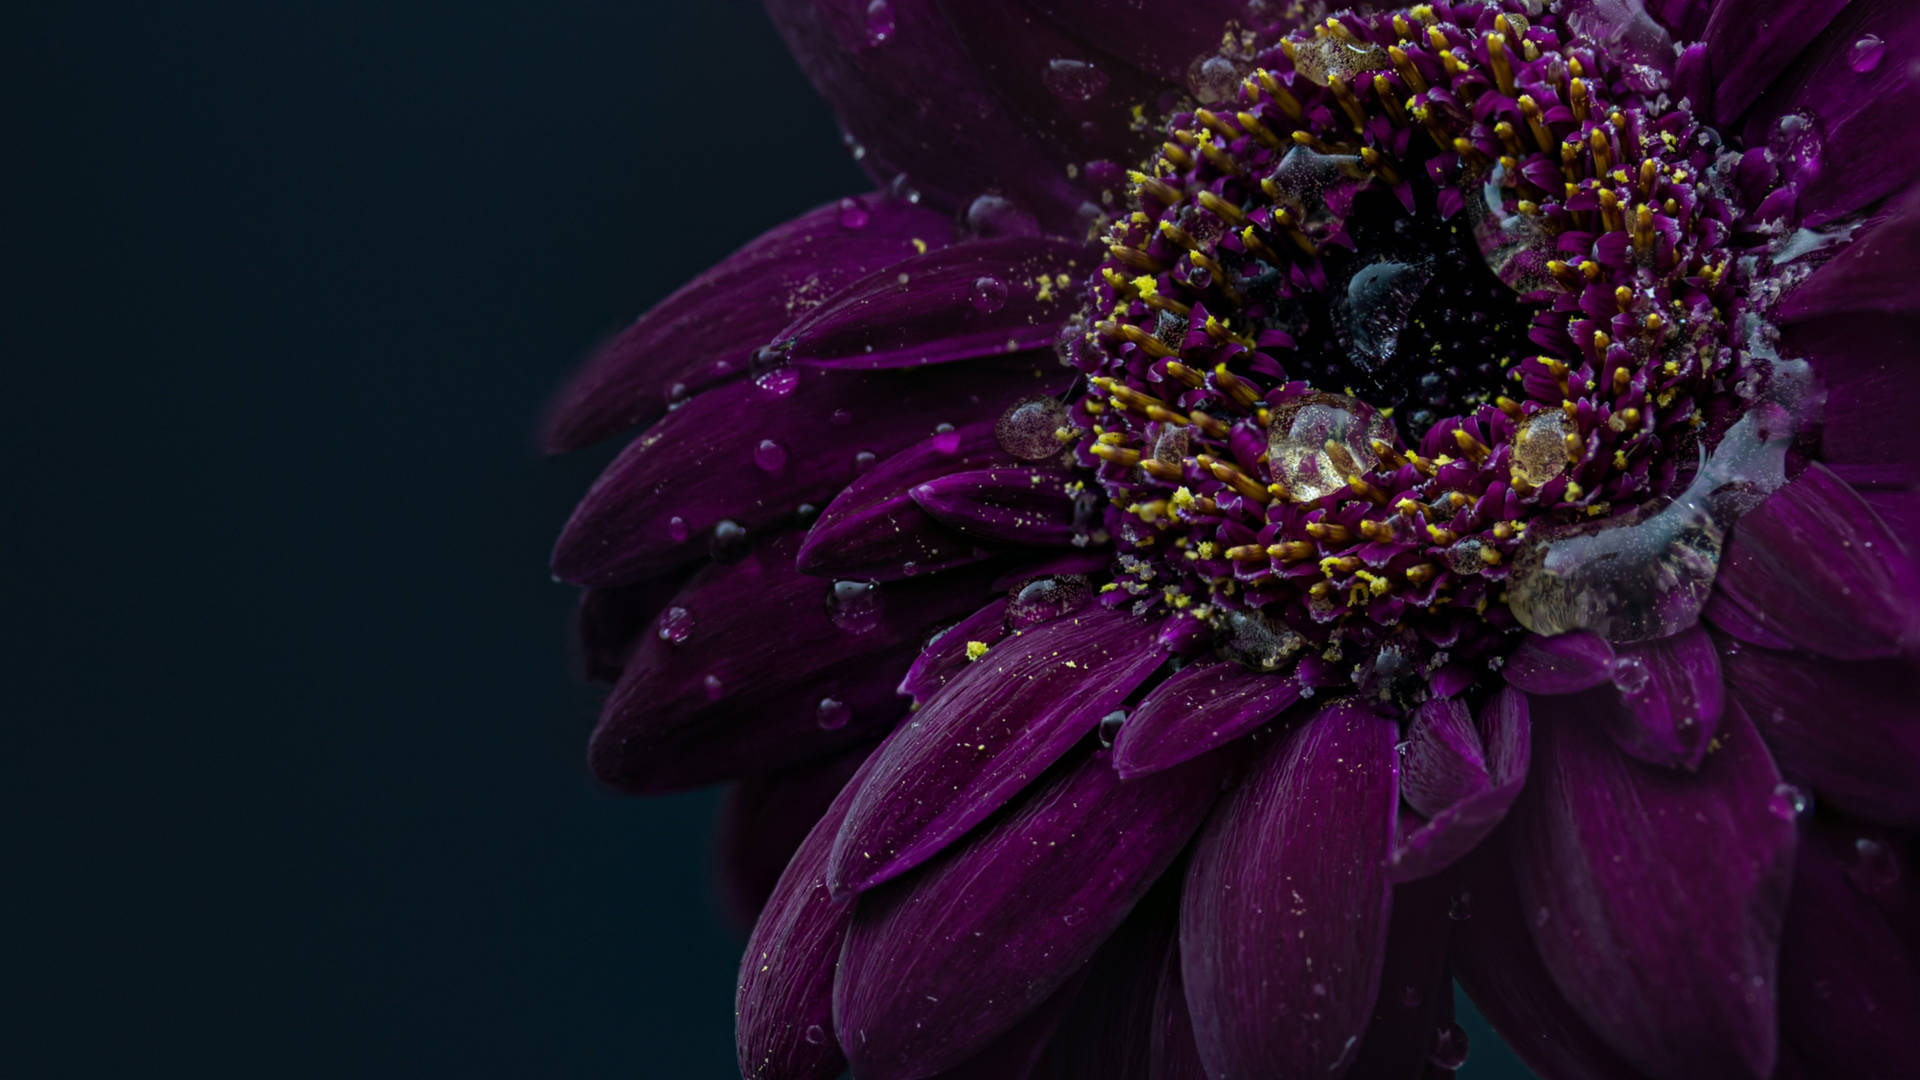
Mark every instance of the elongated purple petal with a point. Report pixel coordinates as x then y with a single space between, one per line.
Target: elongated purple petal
1416 991
875 529
1562 664
1817 568
706 332
1664 706
996 726
1849 987
1109 1033
1869 276
763 822
1009 505
1442 761
1494 958
658 504
1603 848
946 654
1503 736
1283 924
1850 730
978 298
1173 1055
1202 706
939 964
1746 50
783 1004
1020 1051
734 678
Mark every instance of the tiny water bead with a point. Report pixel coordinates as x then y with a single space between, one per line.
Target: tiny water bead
1110 725
832 714
1074 80
989 294
854 606
770 456
853 215
1030 428
677 530
676 625
1431 327
1629 674
1866 53
729 542
1788 802
714 688
879 22
1449 1046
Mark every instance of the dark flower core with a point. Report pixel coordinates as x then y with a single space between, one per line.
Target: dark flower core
1439 323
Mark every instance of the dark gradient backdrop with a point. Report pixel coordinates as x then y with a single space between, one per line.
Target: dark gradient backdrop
293 731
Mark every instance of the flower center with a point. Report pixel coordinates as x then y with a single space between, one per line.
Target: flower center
1415 333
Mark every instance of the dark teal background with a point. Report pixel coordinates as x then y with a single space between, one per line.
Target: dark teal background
293 748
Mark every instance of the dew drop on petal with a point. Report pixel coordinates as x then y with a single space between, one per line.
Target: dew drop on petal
1515 247
1629 674
815 1035
1317 441
989 294
946 439
778 382
1110 726
714 687
1074 80
852 214
1449 1046
770 456
677 529
1027 430
1465 558
1794 143
1253 640
1411 997
854 606
1045 598
840 417
832 714
864 460
879 22
1787 802
1866 53
1540 447
996 215
676 625
729 542
1378 305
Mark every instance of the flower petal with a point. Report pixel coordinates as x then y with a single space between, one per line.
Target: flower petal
1165 37
655 507
763 821
1561 664
874 529
611 622
1664 706
1019 1053
1663 894
1849 988
757 651
1746 51
1494 958
939 964
1416 991
1504 736
1441 761
1871 275
1816 567
946 654
979 298
1283 924
1109 1033
706 332
1850 730
1013 505
1173 1054
1198 708
995 727
783 1004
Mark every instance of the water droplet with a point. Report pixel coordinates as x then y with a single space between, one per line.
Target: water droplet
816 1035
1074 80
864 460
806 512
1110 726
1787 802
1646 573
1321 58
1172 445
996 215
1391 677
1253 640
1027 429
1317 441
1794 143
1317 189
1214 78
1540 447
729 543
1449 1046
946 439
1875 866
989 294
770 456
1866 53
832 714
1045 598
853 215
1516 247
677 395
900 187
778 382
1461 909
1377 307
1629 674
854 606
1464 557
676 625
879 22
1411 997
714 687
677 529
840 417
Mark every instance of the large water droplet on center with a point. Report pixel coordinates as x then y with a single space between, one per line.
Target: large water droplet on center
1379 302
1322 58
1317 189
1046 598
854 606
1317 441
1027 429
1540 447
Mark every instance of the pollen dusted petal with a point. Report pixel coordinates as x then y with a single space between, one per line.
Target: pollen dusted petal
1283 925
995 727
1657 895
1664 707
1561 664
707 331
874 528
655 507
1503 738
1817 568
1494 958
938 964
1009 505
1202 706
1851 730
948 652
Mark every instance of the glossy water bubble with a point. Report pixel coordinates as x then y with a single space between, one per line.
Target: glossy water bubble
1028 429
1866 53
1449 1046
677 530
1378 307
989 294
1629 674
832 714
1214 78
1321 59
729 542
1110 724
853 215
714 687
1787 802
1253 640
1045 598
1540 447
1515 246
770 456
854 606
1317 441
1317 190
1073 80
879 22
676 625
997 215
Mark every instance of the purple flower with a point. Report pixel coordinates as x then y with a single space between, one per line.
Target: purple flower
1264 516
